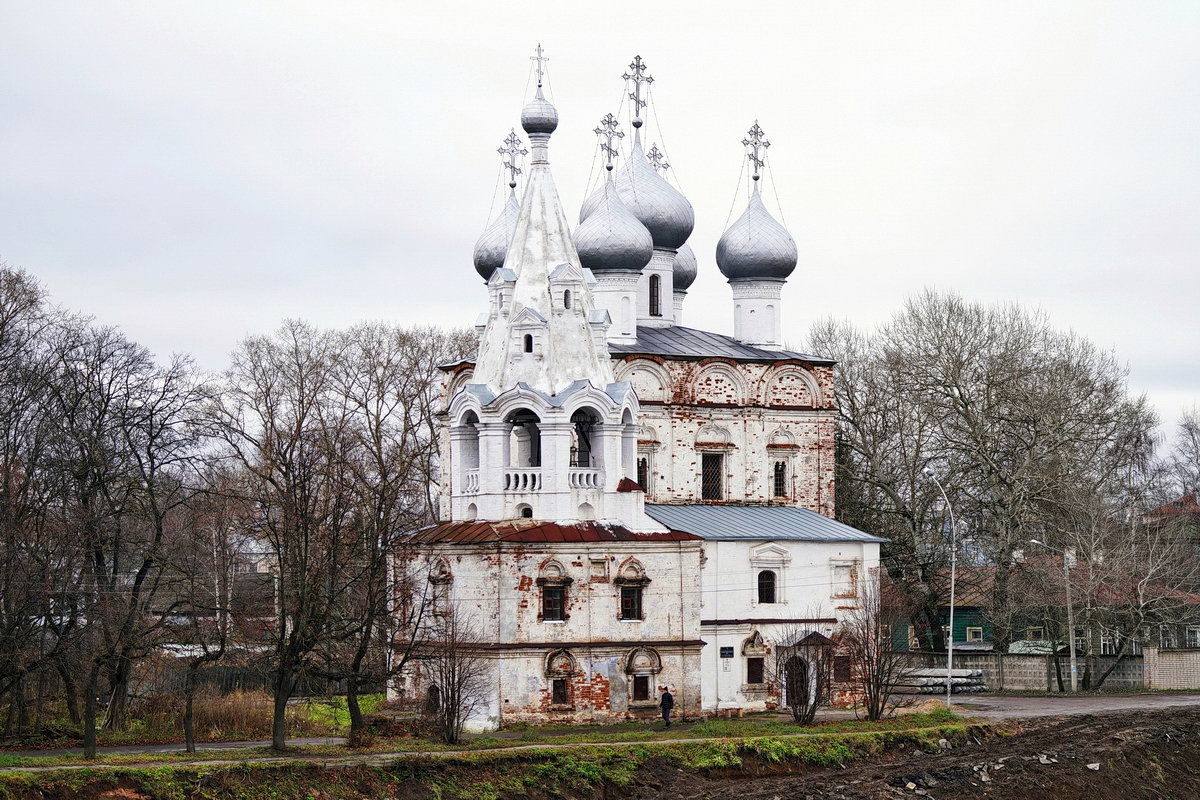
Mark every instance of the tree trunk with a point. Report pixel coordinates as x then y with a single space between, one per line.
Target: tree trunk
189 733
285 683
89 713
70 693
117 717
358 728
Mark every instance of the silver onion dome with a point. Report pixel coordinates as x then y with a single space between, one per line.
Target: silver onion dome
684 268
593 202
756 246
659 206
539 116
492 246
611 238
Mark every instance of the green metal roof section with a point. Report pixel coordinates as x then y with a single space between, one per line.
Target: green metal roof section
736 523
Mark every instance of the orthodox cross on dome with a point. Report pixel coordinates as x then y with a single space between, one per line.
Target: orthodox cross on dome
607 131
638 76
539 58
655 157
756 144
510 151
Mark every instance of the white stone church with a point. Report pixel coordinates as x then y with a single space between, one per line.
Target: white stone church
631 502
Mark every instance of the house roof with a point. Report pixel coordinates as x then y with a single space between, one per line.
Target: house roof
677 341
541 531
731 523
1178 507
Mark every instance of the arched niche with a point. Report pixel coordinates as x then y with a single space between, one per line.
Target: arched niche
718 384
713 437
649 379
560 664
789 386
754 646
643 661
631 573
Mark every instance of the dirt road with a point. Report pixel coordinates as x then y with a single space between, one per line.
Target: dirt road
1119 754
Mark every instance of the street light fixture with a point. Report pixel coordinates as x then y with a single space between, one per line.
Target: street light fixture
1070 612
929 473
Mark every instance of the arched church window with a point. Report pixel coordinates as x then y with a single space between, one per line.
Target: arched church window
766 586
527 512
566 298
631 583
655 296
553 580
528 343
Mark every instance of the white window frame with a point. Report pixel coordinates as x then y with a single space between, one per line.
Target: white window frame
1192 636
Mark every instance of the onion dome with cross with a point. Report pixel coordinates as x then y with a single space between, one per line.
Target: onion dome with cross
492 246
611 238
756 247
658 205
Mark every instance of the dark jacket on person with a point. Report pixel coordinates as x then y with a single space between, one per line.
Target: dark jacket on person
666 701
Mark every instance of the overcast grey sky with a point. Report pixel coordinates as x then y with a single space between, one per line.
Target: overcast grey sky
198 171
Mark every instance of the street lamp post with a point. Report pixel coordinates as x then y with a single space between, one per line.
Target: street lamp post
1070 613
929 473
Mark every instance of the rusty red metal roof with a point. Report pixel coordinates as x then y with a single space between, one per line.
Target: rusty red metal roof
533 530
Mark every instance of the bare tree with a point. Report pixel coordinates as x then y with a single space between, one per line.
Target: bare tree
387 380
885 440
1014 415
457 671
127 433
1184 460
204 560
289 440
877 669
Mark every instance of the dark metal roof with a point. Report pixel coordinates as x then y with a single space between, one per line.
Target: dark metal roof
729 523
680 342
535 530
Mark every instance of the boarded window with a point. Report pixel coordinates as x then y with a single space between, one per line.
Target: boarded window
553 602
754 670
841 669
559 692
712 476
641 687
766 586
631 602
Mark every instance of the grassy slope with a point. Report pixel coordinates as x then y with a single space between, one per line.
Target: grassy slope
484 775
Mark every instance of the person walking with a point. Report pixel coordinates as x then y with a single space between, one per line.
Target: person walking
666 702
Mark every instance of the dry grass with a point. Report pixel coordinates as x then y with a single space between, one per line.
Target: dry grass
233 715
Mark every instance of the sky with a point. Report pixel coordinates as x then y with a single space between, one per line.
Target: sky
198 172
